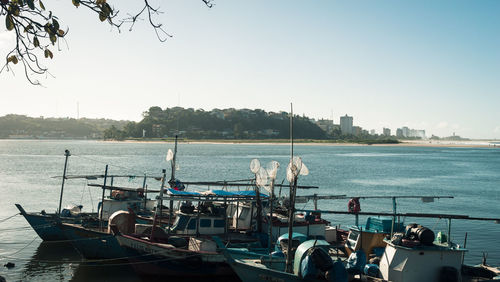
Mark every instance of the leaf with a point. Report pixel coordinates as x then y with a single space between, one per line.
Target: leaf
28 27
53 38
102 16
36 42
55 24
14 9
76 2
12 59
9 22
41 5
48 53
31 4
107 9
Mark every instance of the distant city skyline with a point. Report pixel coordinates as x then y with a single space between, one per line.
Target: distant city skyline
425 64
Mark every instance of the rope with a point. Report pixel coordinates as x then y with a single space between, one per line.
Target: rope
5 219
105 260
114 165
18 251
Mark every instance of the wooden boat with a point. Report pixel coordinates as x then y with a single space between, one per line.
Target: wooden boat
47 225
186 248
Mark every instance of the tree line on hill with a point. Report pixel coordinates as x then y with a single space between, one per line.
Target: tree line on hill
216 124
21 126
186 123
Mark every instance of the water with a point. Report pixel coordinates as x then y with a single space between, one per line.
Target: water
471 175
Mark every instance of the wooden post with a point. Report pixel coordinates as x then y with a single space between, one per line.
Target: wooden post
66 154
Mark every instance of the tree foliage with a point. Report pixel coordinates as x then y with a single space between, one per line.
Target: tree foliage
227 124
38 30
29 127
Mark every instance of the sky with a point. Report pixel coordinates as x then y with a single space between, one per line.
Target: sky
425 64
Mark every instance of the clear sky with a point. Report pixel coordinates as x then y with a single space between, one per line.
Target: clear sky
432 65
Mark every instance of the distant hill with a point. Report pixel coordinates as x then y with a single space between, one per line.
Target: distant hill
20 126
217 124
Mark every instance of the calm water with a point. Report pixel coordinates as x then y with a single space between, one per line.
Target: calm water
471 175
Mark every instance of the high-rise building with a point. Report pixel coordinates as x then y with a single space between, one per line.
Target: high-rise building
346 124
386 131
399 132
406 131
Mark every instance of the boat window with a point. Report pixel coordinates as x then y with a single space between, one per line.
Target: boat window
353 235
352 238
205 222
219 223
192 224
244 212
180 222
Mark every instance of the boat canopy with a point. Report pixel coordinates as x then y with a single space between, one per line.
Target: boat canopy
214 195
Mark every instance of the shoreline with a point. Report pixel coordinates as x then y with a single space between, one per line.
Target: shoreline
403 143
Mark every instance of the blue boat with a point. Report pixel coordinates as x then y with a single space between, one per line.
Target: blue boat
47 225
92 243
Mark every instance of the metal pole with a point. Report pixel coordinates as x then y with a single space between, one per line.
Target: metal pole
259 208
449 231
393 215
144 192
102 198
66 154
270 222
315 201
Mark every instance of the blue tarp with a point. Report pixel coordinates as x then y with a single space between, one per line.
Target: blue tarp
219 193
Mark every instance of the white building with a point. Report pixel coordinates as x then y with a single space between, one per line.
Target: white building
346 124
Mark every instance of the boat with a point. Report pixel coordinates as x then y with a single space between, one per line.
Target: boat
419 255
47 225
186 249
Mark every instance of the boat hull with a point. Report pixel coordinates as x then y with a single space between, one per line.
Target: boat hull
251 270
93 244
154 259
46 225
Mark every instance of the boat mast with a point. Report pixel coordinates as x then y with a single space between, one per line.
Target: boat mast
66 154
160 200
291 209
172 177
172 183
102 198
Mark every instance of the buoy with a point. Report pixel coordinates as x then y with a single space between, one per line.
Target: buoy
9 265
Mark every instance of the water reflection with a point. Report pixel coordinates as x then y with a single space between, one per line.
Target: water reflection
61 262
51 262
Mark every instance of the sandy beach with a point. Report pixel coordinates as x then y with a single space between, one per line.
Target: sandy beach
404 143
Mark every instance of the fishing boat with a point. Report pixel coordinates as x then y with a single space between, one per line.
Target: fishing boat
185 249
46 225
419 255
